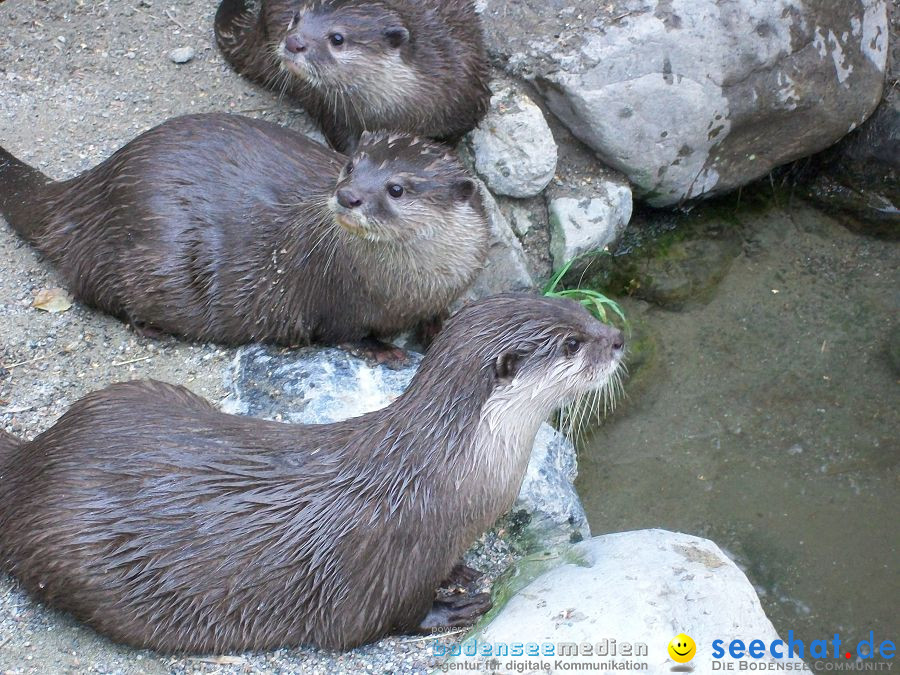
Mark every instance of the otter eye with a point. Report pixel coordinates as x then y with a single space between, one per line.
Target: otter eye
395 191
572 345
349 168
336 39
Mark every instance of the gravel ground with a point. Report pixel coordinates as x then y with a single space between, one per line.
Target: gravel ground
78 79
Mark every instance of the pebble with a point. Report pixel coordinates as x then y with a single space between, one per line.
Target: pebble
182 54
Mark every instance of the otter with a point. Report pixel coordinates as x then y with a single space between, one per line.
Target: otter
418 66
166 524
227 229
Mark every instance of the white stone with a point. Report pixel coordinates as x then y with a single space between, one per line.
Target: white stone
311 385
578 226
181 55
513 146
636 587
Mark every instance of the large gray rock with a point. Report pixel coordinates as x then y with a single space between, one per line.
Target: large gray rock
638 588
318 386
513 147
695 97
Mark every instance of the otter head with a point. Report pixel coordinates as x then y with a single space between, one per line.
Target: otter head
398 189
526 356
345 45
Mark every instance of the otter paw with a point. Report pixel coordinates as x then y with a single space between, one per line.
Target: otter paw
146 330
378 353
456 611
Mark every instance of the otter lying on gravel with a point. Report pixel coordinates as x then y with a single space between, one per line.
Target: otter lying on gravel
164 523
228 229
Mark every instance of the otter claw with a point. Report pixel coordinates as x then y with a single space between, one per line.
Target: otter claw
456 611
146 330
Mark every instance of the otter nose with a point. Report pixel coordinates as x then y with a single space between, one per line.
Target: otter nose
347 199
294 44
617 340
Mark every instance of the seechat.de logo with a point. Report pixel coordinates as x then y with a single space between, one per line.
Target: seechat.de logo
795 648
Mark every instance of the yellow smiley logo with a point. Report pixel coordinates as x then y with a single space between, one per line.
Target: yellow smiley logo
682 648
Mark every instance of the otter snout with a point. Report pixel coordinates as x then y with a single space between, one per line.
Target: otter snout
610 342
294 44
348 199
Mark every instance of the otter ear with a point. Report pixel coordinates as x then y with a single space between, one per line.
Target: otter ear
396 36
463 189
507 365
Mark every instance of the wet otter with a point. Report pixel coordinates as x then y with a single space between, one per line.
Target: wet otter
164 523
411 65
227 229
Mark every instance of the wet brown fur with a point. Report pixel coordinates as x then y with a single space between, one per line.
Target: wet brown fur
7 443
164 523
216 227
443 94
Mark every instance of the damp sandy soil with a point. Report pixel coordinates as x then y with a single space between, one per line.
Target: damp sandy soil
77 80
770 425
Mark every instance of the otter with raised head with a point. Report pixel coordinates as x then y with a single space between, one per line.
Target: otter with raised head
418 66
166 524
227 229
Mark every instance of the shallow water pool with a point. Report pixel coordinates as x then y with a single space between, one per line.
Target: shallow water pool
768 422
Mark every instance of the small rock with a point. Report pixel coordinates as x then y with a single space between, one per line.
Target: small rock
670 260
506 267
311 385
513 146
181 55
520 219
689 272
581 225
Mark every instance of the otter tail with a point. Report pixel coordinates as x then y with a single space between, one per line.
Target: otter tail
20 192
241 38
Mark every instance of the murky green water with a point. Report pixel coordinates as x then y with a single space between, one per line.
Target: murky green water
769 422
